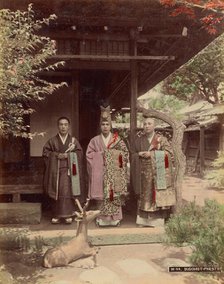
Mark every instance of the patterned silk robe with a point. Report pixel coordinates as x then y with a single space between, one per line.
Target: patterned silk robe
153 186
107 169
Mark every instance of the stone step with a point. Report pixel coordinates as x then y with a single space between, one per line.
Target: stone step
101 237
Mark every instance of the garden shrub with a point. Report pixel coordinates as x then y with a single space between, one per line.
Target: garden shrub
216 175
201 227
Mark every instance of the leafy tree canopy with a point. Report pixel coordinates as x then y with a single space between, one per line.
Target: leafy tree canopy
167 104
212 15
23 55
202 77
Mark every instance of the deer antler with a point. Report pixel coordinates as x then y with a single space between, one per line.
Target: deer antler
86 204
82 212
79 205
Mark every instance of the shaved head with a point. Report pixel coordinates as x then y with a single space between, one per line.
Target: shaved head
148 125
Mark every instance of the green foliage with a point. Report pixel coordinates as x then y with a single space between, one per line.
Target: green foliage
184 226
216 175
38 244
23 55
202 77
203 229
122 117
178 85
14 239
167 104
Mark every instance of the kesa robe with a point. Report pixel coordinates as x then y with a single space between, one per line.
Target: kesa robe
107 170
152 178
63 179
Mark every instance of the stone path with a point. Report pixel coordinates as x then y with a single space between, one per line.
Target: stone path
129 264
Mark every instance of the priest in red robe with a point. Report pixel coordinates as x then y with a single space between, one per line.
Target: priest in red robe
107 158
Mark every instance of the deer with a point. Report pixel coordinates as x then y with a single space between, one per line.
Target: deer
77 247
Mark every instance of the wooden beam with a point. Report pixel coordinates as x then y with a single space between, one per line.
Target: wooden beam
112 57
55 73
106 36
134 92
96 21
92 65
97 65
77 35
202 150
75 105
119 86
17 189
148 77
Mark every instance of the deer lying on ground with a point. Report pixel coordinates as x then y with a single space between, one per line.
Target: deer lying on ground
76 248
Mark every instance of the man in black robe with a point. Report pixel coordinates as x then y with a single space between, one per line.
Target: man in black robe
63 179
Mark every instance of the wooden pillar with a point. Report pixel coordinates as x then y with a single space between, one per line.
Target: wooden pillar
134 91
202 150
221 137
26 145
1 158
75 105
1 150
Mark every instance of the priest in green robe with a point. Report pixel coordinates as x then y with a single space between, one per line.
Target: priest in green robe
152 176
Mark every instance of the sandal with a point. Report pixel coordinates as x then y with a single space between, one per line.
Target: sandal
68 220
55 221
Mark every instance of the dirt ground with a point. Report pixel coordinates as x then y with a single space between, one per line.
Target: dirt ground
198 189
117 264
